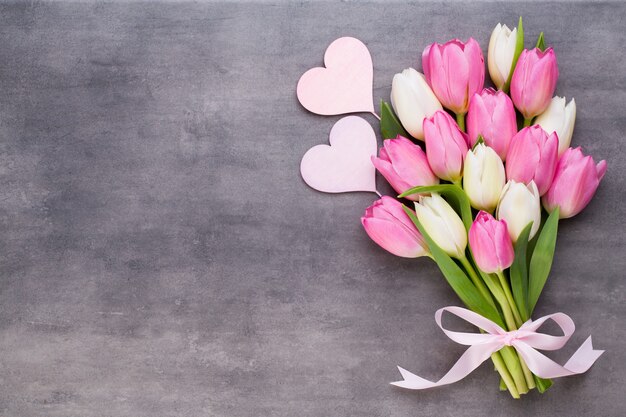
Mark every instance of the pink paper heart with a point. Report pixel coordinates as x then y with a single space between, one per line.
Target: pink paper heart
345 85
346 164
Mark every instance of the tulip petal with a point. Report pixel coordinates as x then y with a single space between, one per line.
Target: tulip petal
387 171
413 100
442 224
601 169
575 182
409 162
395 209
534 81
426 62
490 243
392 238
476 76
455 78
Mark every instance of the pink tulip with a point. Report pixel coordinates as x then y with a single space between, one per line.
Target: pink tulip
490 243
532 156
404 165
455 71
446 146
534 81
575 182
491 114
389 226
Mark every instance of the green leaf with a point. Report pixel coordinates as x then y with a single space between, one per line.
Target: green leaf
478 142
542 384
502 385
457 279
390 126
541 261
450 191
541 42
519 47
519 273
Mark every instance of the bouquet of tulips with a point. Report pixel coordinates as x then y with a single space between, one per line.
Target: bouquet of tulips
487 170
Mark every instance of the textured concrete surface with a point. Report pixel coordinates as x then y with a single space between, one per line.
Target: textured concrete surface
160 256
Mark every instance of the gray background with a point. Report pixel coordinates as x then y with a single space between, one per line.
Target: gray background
160 255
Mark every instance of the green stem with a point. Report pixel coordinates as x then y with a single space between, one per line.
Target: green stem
514 366
498 294
460 120
530 378
508 317
517 367
543 384
527 122
511 307
509 297
480 285
504 374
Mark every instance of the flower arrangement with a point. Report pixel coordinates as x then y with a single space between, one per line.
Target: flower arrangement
473 192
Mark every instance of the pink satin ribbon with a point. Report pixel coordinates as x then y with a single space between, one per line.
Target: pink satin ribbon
525 340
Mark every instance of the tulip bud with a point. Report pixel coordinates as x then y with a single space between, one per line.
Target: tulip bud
404 165
492 115
389 226
560 119
575 182
501 53
532 157
442 224
519 205
534 81
483 177
446 146
413 100
455 71
491 244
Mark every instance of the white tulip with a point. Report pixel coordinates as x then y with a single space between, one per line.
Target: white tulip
413 100
442 224
500 54
559 118
483 177
519 205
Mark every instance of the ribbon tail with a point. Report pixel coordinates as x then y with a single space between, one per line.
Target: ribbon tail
412 381
545 367
470 360
583 358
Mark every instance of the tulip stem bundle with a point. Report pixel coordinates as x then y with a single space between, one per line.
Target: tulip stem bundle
502 293
509 304
478 192
503 370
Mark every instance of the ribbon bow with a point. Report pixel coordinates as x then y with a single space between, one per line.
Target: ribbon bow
525 340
